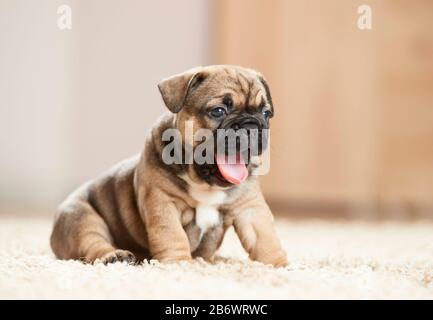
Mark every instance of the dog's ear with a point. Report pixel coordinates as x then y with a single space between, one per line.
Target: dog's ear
175 89
267 91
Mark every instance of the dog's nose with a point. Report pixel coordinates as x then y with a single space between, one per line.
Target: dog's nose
248 124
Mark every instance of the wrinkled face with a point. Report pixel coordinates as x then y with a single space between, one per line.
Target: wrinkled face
235 105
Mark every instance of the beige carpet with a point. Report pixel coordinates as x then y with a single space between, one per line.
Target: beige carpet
328 260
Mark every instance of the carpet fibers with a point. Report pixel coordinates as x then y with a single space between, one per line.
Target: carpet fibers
328 260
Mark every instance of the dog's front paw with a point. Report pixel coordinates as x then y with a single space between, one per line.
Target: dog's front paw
277 259
118 256
175 259
280 263
280 260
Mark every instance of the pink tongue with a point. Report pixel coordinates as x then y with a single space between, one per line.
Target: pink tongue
234 173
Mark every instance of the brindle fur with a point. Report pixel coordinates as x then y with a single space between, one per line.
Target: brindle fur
142 208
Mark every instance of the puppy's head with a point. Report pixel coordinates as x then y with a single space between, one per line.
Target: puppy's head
229 102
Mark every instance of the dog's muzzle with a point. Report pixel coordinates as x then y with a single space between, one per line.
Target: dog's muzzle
243 134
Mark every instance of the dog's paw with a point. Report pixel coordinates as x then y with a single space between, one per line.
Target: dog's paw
177 259
281 263
118 256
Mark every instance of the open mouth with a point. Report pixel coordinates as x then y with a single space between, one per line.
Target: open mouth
232 170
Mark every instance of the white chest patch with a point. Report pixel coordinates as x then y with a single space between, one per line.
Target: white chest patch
208 199
206 217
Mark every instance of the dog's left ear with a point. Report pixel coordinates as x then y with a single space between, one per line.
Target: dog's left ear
175 89
268 92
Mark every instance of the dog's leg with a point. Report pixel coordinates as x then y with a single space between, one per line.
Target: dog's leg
168 241
254 226
210 242
80 233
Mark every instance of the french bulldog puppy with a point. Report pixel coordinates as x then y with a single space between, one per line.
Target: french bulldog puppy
145 207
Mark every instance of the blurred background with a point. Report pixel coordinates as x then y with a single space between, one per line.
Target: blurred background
353 132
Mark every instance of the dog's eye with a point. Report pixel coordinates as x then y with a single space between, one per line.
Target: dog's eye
218 112
267 114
